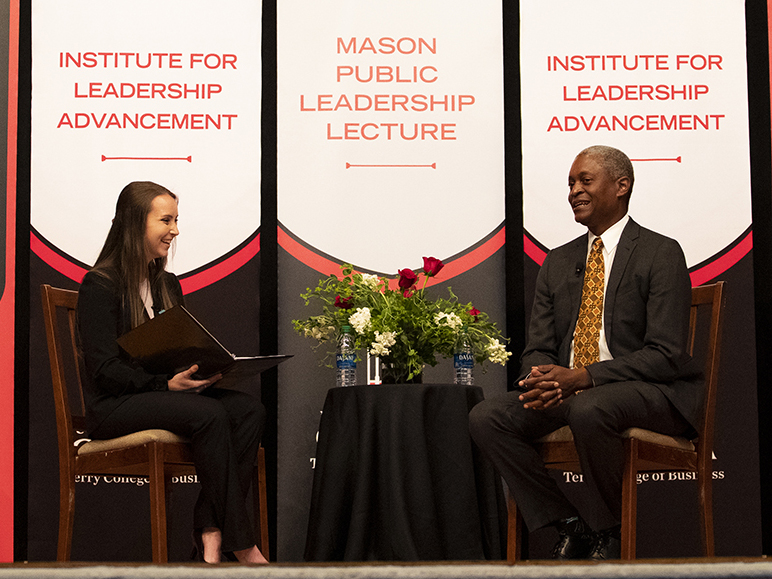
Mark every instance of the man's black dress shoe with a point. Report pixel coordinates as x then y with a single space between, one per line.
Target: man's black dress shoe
575 542
608 545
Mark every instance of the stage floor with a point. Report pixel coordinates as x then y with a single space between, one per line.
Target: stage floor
718 568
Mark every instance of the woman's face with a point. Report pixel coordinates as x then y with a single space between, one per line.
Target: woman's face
161 227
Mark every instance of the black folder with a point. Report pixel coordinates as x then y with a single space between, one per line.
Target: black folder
174 340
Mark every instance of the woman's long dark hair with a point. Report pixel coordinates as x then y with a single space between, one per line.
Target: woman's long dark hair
123 258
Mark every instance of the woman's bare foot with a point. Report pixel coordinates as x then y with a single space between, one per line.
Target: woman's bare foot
251 555
211 537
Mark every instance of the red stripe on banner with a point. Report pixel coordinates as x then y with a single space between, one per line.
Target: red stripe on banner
469 260
452 268
304 255
222 269
722 263
189 284
7 302
533 251
58 262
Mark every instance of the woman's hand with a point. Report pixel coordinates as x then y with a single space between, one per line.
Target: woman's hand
184 382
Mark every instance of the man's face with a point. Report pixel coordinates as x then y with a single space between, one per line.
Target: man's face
596 199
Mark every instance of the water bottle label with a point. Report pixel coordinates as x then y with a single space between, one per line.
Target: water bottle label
463 360
345 361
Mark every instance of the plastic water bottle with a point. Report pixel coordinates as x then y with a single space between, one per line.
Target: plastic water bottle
463 359
345 359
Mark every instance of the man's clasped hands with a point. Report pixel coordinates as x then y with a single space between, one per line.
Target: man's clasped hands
548 385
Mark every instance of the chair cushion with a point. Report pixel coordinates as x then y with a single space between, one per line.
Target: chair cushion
657 438
560 435
564 434
133 439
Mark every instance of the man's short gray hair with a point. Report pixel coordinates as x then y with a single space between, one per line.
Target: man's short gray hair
614 161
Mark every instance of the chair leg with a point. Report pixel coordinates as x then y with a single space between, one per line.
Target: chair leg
515 531
629 500
157 503
260 503
66 515
705 501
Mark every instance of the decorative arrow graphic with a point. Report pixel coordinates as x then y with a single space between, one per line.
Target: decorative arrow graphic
676 159
189 158
351 165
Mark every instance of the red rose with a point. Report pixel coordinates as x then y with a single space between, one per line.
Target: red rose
474 312
344 303
408 293
432 266
407 278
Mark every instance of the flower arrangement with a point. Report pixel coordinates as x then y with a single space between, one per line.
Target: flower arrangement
399 324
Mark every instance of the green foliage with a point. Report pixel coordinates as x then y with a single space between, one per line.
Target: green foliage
407 329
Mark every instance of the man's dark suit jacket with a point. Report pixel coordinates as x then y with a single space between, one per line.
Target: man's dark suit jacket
646 309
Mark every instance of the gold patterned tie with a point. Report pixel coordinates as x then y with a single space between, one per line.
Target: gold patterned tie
587 332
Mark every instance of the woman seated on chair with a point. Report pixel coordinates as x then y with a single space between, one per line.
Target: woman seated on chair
127 286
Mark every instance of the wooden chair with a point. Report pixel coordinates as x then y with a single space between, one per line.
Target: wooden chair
648 451
156 454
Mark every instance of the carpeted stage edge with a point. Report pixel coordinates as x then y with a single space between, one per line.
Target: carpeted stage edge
718 568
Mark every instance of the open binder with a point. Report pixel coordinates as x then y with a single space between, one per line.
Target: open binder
174 340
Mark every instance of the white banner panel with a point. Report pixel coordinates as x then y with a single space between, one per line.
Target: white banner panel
390 127
144 90
663 81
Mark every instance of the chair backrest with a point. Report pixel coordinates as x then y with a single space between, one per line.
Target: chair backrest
59 314
705 325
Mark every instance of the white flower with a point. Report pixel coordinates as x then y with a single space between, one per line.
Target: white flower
450 319
360 320
371 281
383 341
496 352
318 333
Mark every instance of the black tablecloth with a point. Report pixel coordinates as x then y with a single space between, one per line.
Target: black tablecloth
398 478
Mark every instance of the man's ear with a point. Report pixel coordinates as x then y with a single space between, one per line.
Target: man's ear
623 186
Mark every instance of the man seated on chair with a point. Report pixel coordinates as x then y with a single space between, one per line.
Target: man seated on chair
606 351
